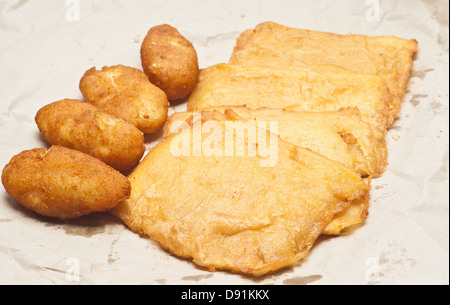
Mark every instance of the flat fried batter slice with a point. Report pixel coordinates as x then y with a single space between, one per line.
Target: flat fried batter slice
278 46
257 87
339 136
230 212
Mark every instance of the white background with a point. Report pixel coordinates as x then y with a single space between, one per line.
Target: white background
44 53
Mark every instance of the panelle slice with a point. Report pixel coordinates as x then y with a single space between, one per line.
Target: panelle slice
339 136
277 46
258 87
236 213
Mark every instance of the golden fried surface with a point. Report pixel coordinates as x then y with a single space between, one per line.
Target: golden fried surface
277 46
230 212
170 61
257 87
126 92
339 136
82 126
356 213
63 183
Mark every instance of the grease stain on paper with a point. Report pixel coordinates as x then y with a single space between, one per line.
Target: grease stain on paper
302 280
396 255
83 231
380 187
196 278
415 99
87 226
421 74
113 256
161 281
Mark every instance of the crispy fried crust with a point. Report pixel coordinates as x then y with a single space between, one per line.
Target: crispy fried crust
126 93
82 126
63 183
274 45
257 87
170 61
339 136
356 214
229 212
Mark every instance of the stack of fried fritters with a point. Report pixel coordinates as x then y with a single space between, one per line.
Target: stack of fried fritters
333 98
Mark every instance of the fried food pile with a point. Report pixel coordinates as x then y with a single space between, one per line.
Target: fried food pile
96 142
230 212
332 99
278 146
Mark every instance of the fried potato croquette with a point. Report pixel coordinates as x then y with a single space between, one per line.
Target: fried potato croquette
63 183
82 126
231 213
273 45
170 61
126 93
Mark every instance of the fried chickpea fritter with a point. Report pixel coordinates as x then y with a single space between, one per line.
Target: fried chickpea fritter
170 61
82 126
63 183
273 45
126 93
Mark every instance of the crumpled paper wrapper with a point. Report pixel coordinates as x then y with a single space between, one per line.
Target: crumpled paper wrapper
47 46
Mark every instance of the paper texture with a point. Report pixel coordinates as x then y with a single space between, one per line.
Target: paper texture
46 46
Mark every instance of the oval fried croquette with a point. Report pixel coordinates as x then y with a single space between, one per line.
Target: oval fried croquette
170 61
126 93
63 183
82 126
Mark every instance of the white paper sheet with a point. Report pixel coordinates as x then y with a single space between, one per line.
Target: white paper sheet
46 46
